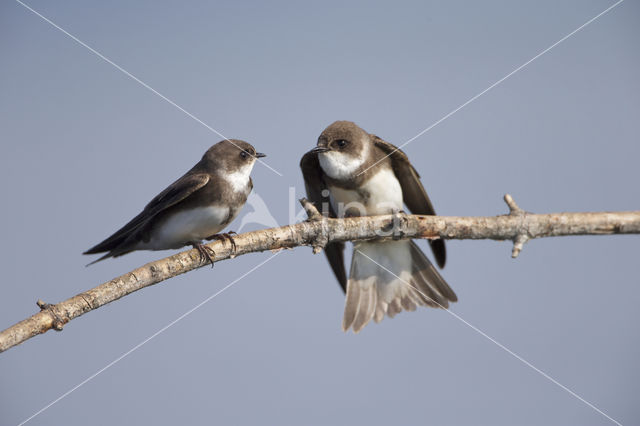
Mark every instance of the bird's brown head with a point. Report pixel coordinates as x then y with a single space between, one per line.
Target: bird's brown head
232 155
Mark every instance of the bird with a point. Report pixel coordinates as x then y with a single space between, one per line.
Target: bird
355 173
195 207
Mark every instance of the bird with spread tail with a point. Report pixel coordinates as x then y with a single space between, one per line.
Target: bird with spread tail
359 174
195 207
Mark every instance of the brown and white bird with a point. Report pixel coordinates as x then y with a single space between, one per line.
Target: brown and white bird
195 207
357 173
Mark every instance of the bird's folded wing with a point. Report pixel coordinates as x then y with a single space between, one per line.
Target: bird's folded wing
314 184
413 193
174 193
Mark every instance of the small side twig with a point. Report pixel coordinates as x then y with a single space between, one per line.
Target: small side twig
311 210
522 236
514 209
313 215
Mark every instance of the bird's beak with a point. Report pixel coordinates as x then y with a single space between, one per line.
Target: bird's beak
319 149
260 155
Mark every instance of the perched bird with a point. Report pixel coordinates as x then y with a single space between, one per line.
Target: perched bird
358 174
195 207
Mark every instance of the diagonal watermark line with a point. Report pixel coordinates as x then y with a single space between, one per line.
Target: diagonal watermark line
136 79
495 84
500 345
139 345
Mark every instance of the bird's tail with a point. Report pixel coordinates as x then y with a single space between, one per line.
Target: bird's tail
387 277
113 253
106 256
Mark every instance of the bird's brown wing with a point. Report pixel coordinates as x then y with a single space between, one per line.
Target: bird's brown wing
174 193
314 184
413 193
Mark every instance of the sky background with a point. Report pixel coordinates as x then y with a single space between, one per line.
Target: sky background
84 148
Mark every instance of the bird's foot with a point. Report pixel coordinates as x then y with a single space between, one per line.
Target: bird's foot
206 253
226 236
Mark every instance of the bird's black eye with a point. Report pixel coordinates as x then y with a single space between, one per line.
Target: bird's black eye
341 143
244 154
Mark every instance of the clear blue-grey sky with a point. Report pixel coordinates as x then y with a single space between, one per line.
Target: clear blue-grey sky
84 148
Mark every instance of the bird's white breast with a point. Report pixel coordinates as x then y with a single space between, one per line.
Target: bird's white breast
380 194
188 226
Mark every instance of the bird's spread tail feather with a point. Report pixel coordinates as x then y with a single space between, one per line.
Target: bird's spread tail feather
388 277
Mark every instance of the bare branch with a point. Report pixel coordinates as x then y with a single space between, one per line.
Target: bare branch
518 226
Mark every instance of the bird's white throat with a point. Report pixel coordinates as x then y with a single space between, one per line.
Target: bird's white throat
239 179
340 166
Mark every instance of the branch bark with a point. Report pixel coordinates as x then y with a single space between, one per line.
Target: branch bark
518 226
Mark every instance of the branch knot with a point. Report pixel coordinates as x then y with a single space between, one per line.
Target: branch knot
57 323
